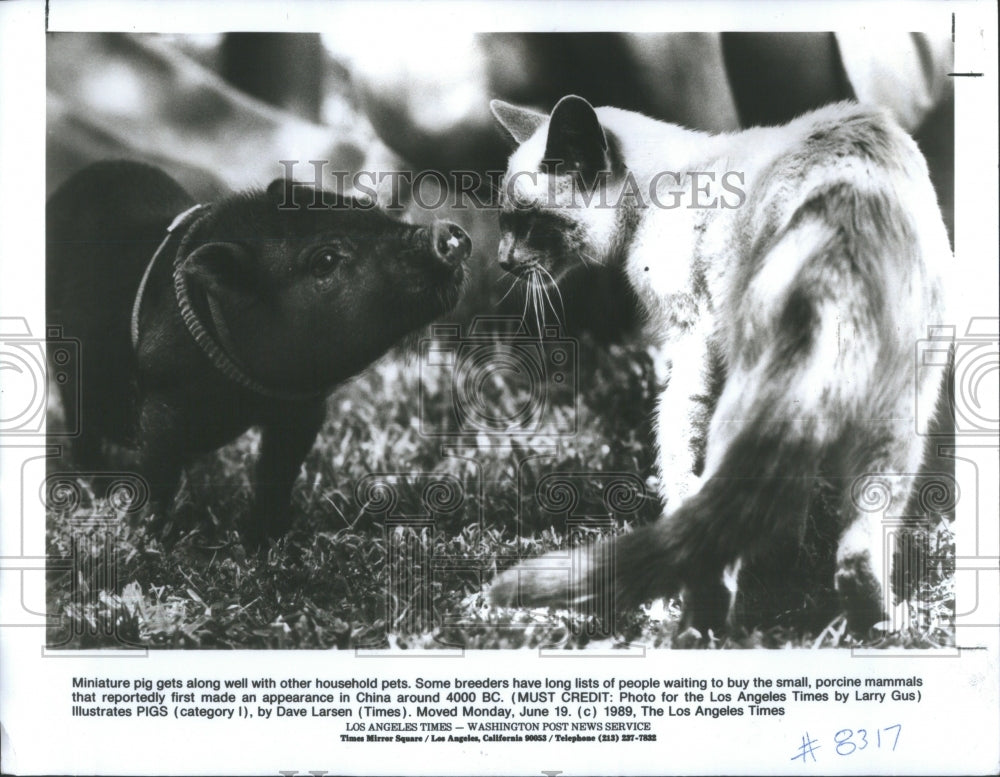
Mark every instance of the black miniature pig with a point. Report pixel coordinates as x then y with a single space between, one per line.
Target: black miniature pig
247 312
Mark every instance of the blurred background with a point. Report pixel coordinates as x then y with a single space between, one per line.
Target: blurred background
218 112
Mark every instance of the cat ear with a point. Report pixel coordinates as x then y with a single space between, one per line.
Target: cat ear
576 139
520 123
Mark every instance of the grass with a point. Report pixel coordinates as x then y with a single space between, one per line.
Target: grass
351 574
358 570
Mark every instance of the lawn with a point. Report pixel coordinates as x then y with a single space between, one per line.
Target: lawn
406 508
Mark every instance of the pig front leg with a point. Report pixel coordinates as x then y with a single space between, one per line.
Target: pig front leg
162 435
286 438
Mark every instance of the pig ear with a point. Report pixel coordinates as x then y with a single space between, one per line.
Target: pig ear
280 189
576 138
223 269
520 123
292 195
289 194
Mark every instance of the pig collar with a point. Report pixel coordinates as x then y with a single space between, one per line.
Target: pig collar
218 349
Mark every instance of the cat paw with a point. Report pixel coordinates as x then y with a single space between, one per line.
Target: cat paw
538 582
860 593
707 607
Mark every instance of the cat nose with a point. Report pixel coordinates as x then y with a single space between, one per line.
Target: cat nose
514 261
450 243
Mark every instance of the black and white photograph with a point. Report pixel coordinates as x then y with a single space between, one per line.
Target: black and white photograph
484 333
318 467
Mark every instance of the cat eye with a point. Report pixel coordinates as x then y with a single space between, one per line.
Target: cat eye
546 234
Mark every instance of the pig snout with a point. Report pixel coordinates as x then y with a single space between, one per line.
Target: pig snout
449 243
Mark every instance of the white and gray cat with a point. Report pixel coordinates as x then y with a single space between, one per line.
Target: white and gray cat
786 274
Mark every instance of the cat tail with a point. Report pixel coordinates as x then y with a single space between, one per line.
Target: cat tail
819 363
761 490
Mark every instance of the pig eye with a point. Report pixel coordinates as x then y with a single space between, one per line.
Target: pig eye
325 261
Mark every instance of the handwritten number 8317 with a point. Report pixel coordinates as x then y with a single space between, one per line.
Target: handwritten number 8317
849 741
846 743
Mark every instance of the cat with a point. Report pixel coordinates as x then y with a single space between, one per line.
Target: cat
786 275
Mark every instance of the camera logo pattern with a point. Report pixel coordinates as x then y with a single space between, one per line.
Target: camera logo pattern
27 364
498 379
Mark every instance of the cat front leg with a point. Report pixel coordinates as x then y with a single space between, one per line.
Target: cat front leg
683 412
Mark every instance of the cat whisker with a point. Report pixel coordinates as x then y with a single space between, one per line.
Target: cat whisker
507 294
540 303
527 298
536 301
548 298
562 304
